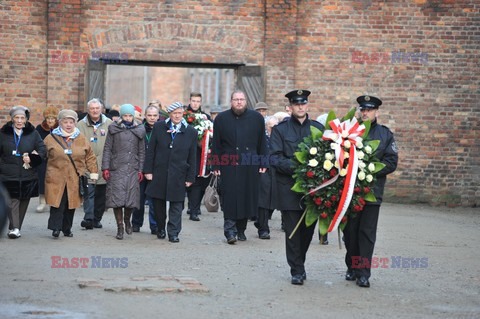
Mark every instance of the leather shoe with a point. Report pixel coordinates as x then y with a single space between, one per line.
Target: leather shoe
153 231
194 217
264 235
68 234
297 280
350 275
97 224
135 229
161 234
363 282
241 236
231 240
173 239
304 276
55 233
88 224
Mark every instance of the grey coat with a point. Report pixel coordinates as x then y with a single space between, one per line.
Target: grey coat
123 156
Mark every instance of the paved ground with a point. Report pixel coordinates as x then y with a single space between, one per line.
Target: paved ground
203 277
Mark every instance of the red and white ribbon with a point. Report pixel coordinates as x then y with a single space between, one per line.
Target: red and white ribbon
351 131
205 151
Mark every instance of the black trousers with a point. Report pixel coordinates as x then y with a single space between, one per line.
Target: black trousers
94 203
61 218
195 194
296 247
232 227
264 214
174 225
360 235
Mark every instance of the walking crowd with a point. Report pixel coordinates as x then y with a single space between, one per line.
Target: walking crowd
123 160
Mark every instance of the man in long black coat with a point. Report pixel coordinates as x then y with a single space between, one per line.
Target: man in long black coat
170 165
284 142
239 155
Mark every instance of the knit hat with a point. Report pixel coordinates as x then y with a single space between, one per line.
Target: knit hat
172 107
19 109
63 114
127 109
261 106
50 111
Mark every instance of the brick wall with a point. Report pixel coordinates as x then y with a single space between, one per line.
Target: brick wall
432 106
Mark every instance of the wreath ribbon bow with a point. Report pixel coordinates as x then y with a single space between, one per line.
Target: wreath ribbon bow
345 134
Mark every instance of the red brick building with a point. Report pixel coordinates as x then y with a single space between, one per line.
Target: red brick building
421 57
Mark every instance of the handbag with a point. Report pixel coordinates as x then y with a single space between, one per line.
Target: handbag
82 180
211 198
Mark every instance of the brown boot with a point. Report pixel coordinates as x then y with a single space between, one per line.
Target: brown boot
128 224
119 218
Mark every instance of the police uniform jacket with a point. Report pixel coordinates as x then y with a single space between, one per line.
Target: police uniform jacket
284 142
387 153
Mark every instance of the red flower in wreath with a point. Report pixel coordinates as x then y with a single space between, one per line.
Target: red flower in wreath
190 120
323 215
310 174
318 201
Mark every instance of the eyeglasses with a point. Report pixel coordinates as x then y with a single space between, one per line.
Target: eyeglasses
238 100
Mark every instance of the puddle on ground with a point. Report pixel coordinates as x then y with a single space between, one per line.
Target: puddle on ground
23 311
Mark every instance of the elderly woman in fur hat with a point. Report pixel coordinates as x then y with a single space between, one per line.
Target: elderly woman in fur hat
21 151
69 156
49 123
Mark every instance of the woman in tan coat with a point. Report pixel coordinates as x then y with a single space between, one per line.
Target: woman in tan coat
61 180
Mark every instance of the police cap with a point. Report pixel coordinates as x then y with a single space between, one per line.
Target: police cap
298 96
369 102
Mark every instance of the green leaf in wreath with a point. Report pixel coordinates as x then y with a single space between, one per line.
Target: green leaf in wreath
298 187
323 225
311 216
370 197
373 144
301 156
331 116
367 124
378 167
350 114
316 133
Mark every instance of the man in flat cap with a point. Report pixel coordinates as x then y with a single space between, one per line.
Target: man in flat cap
284 142
239 142
262 108
360 232
170 166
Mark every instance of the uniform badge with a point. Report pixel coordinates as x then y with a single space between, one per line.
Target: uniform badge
394 147
300 92
367 98
102 132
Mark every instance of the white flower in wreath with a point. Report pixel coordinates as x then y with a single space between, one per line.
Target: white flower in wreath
313 151
337 164
361 164
347 144
329 156
344 134
313 163
343 172
360 155
369 178
346 155
361 176
371 167
332 146
327 165
359 145
368 149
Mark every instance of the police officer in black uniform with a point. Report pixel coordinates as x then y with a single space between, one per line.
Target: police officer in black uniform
360 232
284 142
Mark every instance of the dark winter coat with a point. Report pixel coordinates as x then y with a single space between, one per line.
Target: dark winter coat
387 153
171 167
284 143
21 183
240 137
267 196
123 156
